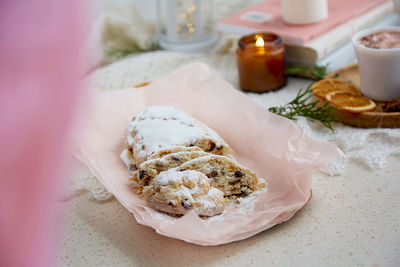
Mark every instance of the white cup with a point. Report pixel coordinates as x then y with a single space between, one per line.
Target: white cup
304 11
379 68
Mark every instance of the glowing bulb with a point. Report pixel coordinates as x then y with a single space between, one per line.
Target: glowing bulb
192 9
260 42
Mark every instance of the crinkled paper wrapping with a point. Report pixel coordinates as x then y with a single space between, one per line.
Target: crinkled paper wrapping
272 146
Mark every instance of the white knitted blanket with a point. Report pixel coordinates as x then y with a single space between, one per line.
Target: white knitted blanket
118 23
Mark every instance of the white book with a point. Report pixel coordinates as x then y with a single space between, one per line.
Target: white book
321 47
345 54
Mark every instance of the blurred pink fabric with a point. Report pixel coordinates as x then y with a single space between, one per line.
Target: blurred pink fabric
39 71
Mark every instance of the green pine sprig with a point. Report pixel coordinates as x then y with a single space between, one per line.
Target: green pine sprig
315 73
302 106
134 48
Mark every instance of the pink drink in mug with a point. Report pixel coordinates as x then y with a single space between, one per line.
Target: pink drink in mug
378 55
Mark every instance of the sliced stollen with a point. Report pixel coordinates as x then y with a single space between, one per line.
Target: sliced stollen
127 156
150 168
160 127
178 192
227 175
175 149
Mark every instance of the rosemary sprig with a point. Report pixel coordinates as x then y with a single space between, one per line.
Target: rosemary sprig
134 48
302 106
316 73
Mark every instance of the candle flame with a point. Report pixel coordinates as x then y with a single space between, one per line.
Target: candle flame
260 42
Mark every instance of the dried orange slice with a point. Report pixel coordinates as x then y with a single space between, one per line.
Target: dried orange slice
141 84
324 87
350 102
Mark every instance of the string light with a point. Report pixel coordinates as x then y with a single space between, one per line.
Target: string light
187 21
186 24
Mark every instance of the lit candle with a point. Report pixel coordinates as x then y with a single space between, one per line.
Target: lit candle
261 62
260 42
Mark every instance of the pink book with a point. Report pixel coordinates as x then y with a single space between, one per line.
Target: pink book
266 16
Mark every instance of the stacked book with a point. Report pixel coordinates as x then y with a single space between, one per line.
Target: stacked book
325 42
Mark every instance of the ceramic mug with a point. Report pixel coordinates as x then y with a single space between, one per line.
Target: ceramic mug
396 4
379 68
304 11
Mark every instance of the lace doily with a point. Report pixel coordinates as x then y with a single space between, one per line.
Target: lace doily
79 179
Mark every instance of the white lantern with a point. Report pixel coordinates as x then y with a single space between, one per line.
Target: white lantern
186 25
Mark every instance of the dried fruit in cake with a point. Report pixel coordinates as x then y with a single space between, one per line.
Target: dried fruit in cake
326 86
150 168
227 175
160 127
178 192
350 102
175 149
127 156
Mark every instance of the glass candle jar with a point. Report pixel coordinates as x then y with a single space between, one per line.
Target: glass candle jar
261 62
186 25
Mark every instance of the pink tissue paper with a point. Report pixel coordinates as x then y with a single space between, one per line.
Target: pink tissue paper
272 146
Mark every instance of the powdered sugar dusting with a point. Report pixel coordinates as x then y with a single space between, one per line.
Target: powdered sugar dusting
172 177
166 113
192 186
126 159
164 161
209 157
157 134
159 127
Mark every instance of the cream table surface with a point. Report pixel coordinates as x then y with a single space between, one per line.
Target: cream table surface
353 218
